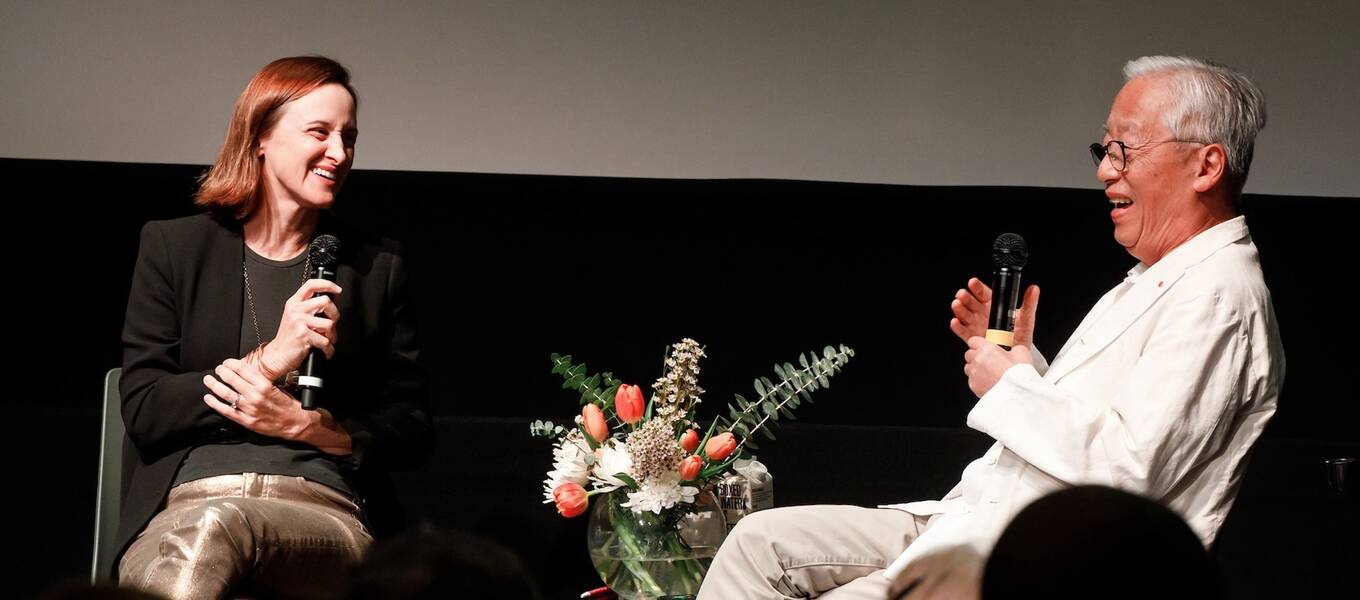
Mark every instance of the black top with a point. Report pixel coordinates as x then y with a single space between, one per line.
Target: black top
271 283
184 311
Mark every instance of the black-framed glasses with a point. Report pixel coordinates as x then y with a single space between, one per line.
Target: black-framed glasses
1118 152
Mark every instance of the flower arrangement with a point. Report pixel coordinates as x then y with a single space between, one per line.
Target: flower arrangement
648 457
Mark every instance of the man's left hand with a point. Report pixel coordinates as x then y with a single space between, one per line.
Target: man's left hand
985 362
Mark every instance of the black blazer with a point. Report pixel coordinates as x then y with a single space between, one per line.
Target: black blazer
184 319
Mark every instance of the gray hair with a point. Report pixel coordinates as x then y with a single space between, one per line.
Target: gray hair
1212 103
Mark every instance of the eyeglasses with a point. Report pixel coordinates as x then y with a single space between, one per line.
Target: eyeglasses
1118 151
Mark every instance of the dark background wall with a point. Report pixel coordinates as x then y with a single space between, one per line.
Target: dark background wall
512 268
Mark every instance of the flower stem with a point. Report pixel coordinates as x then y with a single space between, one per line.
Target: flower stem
623 529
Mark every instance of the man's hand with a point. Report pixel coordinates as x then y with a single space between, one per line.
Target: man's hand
984 363
972 308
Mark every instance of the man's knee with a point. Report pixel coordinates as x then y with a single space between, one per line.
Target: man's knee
762 526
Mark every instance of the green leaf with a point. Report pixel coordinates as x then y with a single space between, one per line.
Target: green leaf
590 441
611 391
828 352
742 402
760 388
711 428
802 360
544 429
826 383
779 370
769 434
593 382
574 382
788 414
632 483
788 368
769 385
752 444
714 469
770 408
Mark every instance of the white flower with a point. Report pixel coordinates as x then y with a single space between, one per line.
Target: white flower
660 493
611 458
571 463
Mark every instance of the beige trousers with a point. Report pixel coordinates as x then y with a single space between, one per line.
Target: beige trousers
273 535
831 552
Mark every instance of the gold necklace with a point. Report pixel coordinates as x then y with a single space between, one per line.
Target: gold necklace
250 297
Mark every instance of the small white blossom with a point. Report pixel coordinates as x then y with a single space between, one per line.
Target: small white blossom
571 463
660 493
610 460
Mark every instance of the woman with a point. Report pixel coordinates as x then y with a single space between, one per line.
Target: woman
229 484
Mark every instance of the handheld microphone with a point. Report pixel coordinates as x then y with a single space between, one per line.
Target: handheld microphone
324 254
1009 254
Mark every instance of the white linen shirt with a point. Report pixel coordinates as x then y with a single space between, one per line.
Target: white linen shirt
1161 391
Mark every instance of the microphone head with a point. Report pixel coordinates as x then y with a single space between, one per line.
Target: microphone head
1010 251
325 251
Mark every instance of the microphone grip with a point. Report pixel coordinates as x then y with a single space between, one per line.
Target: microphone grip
1005 300
310 380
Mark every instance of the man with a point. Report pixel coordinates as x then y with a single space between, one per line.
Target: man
1160 391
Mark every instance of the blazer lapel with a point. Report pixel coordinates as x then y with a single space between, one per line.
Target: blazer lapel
1116 320
224 287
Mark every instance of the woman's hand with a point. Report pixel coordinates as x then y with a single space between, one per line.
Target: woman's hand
308 321
245 395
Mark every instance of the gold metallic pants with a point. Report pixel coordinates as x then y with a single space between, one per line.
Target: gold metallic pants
277 535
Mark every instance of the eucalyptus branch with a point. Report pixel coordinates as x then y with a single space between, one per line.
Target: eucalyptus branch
588 385
794 384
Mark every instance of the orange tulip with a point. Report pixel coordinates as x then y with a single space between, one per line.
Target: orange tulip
571 499
690 467
593 419
721 445
690 440
628 404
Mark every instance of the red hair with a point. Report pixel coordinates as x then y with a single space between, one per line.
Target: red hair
232 183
